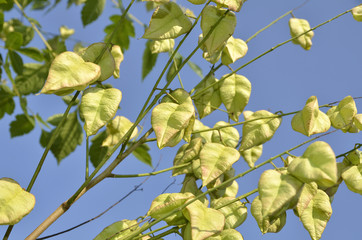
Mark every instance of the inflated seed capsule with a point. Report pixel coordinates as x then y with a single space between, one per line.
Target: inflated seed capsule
298 26
357 13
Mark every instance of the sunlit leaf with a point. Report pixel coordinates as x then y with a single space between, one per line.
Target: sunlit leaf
235 213
259 131
148 60
276 191
98 106
209 17
106 62
117 230
267 224
15 202
168 21
169 120
235 93
234 49
159 46
342 115
352 176
298 26
229 136
233 5
210 99
117 54
215 160
22 125
166 203
251 155
205 222
314 210
70 72
116 129
311 120
317 164
92 9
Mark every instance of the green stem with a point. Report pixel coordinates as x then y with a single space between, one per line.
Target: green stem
148 174
237 199
269 25
35 28
266 52
151 232
168 232
87 159
148 225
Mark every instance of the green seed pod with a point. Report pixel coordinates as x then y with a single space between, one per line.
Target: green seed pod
357 13
298 26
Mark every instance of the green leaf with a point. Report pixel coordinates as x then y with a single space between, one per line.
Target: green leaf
117 230
123 32
317 164
205 222
96 151
235 93
267 224
276 192
210 99
15 25
14 40
15 202
117 54
196 69
7 104
298 26
229 136
142 154
175 65
32 79
57 44
70 72
251 155
67 99
217 39
352 176
233 5
92 9
16 62
235 49
259 131
148 60
21 125
160 46
167 21
215 160
314 210
311 120
98 106
55 119
116 129
31 52
166 203
107 63
169 120
342 116
7 5
69 137
357 13
40 4
1 19
235 213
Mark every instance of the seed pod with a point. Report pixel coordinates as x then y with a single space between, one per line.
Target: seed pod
298 26
357 13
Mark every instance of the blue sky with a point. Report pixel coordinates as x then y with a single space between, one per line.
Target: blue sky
281 81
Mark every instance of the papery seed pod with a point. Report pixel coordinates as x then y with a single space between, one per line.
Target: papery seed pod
297 27
197 1
357 13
